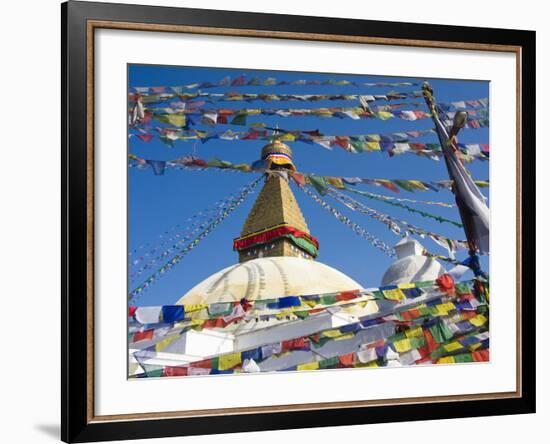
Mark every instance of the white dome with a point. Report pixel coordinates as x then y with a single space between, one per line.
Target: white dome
269 277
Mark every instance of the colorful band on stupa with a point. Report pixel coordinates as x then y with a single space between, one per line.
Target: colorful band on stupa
301 239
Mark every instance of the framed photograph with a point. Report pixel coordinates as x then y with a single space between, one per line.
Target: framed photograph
277 221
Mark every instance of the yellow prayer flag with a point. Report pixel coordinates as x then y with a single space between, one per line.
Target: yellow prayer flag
446 360
336 182
394 295
418 185
242 167
332 333
176 119
194 307
229 361
452 346
368 364
288 137
443 309
308 366
406 286
373 146
161 345
478 320
402 346
413 332
482 183
384 115
284 313
344 337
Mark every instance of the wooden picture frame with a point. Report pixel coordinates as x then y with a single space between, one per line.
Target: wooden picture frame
79 22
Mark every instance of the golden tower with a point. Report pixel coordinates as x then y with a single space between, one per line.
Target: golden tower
276 226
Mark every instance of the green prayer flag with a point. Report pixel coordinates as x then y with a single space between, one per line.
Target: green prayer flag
436 333
239 119
328 299
215 363
357 146
447 334
217 163
418 341
464 357
302 314
404 184
319 183
154 373
424 284
330 362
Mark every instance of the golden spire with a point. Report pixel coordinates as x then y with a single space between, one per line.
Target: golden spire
276 226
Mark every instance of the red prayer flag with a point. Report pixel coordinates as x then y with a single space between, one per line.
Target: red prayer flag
299 178
174 371
145 137
347 360
199 162
430 341
414 313
481 355
446 283
292 344
389 185
206 363
467 314
239 81
346 295
143 335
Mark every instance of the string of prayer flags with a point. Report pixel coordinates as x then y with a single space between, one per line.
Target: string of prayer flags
191 245
242 80
146 256
266 133
393 144
406 207
222 115
410 292
322 182
364 99
435 328
373 240
189 98
395 224
383 197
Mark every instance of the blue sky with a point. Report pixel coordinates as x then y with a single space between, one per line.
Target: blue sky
156 204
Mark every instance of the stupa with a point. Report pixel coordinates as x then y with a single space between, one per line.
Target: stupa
411 264
276 249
